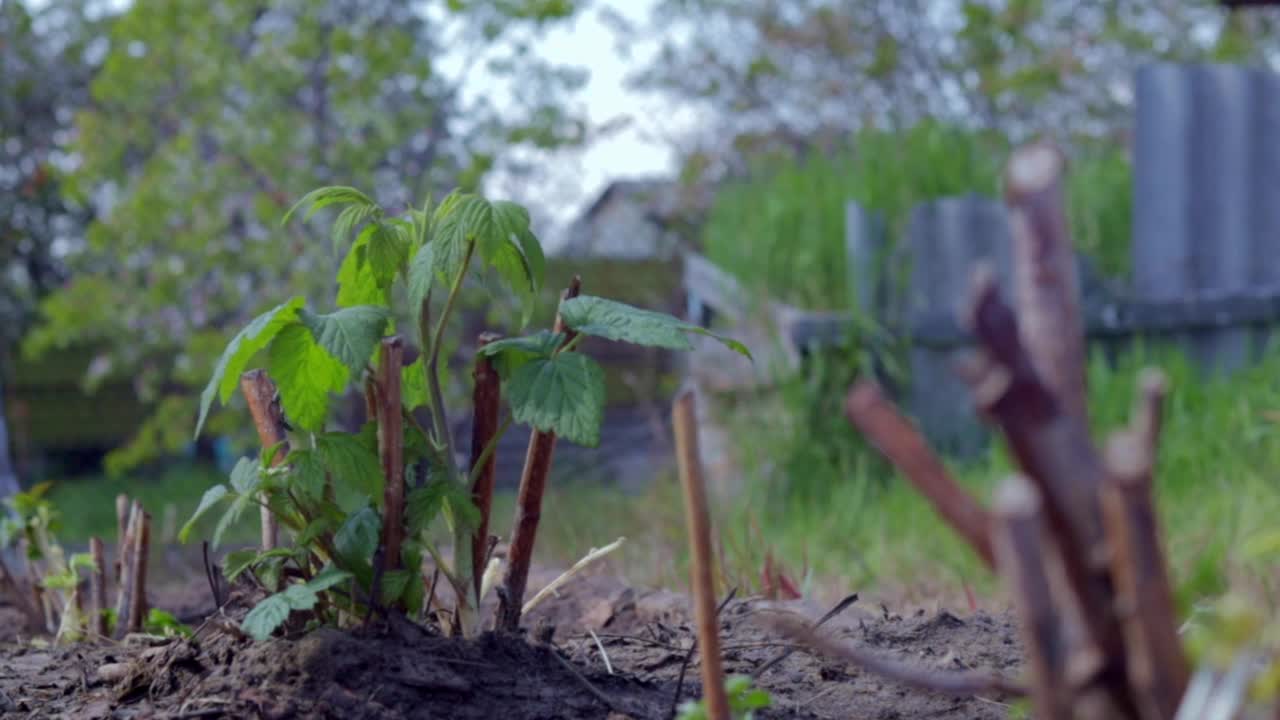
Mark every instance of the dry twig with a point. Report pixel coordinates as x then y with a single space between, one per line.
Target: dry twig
260 395
1021 553
895 436
486 401
391 449
703 581
951 683
1158 668
98 589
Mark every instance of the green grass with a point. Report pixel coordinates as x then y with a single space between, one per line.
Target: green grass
88 504
782 228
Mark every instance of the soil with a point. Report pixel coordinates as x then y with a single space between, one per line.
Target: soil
398 669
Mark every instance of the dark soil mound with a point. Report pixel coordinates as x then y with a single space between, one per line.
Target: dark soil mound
399 669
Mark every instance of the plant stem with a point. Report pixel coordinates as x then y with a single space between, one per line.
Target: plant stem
533 484
259 393
486 400
98 589
141 550
703 581
391 449
438 413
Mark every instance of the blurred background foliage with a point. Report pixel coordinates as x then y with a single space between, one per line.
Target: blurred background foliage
148 151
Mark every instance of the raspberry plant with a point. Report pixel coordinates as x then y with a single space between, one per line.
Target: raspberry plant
328 492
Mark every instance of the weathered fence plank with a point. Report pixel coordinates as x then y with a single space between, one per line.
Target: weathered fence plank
947 239
1205 204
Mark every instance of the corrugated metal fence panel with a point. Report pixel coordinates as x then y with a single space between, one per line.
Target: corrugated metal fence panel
948 238
1206 192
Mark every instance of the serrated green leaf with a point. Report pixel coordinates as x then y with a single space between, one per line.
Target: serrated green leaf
423 505
350 335
358 537
413 385
306 473
394 584
354 467
306 374
510 353
460 509
248 342
421 275
246 476
237 561
232 515
357 284
315 529
449 235
563 394
349 219
387 253
327 578
321 198
618 321
513 221
81 561
211 497
266 616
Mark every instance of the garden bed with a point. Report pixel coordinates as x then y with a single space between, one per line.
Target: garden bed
402 669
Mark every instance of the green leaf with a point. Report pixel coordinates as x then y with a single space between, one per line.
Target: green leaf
355 469
460 509
232 515
349 219
350 335
413 385
327 578
266 616
315 529
357 284
306 374
211 497
421 273
324 197
618 321
246 476
513 221
159 622
394 583
306 473
563 394
510 353
357 539
423 505
387 254
237 561
450 236
253 338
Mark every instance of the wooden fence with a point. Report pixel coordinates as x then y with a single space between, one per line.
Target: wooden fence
1205 252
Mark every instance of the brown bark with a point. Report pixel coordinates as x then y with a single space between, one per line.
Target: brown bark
126 551
533 484
1147 421
259 392
139 554
1021 552
1045 276
98 589
702 578
1158 668
122 526
391 449
895 436
486 400
1054 450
